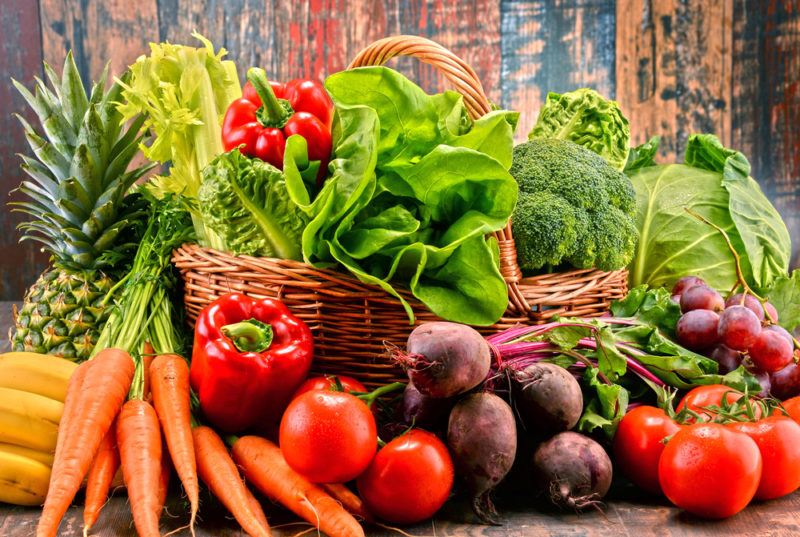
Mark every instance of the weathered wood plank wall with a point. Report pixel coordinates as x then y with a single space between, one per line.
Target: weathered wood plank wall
676 66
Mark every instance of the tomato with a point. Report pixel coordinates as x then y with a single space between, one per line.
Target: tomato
409 479
792 406
329 437
711 395
639 442
778 439
349 384
710 470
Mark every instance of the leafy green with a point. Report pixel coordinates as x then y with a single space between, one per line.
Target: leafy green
673 243
246 203
587 118
785 296
607 404
652 306
415 187
643 155
761 229
184 93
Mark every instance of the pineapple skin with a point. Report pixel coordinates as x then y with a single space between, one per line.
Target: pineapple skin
62 314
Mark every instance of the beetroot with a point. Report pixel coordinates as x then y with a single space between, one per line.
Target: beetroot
445 359
573 469
423 411
547 398
482 436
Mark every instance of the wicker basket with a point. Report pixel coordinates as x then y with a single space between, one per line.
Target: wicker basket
352 322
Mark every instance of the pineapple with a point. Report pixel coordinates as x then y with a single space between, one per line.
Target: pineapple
80 210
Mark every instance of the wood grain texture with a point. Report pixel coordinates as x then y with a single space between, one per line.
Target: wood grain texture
554 45
673 69
20 58
766 109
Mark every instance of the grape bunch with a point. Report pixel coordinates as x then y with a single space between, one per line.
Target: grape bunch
737 331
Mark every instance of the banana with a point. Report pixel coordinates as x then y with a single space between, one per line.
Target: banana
36 373
23 481
28 419
45 458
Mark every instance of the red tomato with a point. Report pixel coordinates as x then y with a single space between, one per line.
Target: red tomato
409 479
349 384
792 406
329 437
639 442
710 470
711 395
778 439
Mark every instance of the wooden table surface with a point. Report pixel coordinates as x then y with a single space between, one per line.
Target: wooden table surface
627 512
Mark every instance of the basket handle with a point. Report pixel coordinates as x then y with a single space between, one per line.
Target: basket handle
466 82
452 67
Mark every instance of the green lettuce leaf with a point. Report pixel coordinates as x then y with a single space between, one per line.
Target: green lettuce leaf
606 406
415 186
652 306
643 155
247 204
587 118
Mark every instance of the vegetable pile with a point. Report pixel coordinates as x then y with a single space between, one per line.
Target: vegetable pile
368 174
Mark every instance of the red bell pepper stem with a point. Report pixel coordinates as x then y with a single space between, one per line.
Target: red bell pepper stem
274 112
249 336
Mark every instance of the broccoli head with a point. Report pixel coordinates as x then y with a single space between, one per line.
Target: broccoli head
573 207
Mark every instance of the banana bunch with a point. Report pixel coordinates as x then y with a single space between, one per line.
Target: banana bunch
32 391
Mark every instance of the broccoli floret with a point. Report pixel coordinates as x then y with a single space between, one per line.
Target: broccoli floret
555 235
573 207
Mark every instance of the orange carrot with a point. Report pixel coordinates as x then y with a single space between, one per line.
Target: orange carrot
102 392
163 478
217 470
349 500
263 465
139 440
169 375
101 474
74 390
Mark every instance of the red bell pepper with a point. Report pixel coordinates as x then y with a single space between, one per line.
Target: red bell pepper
249 357
269 112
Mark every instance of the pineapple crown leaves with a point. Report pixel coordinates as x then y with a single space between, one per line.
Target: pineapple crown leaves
79 176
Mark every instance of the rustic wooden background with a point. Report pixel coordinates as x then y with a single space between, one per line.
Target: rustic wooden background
676 66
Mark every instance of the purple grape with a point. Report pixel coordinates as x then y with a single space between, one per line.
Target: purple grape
786 382
727 358
697 329
779 330
738 328
773 313
685 283
764 380
771 351
701 297
750 302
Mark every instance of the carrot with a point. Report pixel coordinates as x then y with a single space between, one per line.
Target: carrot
263 465
71 404
217 470
101 474
169 375
102 392
163 478
349 500
139 440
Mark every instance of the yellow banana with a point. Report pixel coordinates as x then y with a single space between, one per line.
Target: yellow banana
28 419
23 481
36 373
44 457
